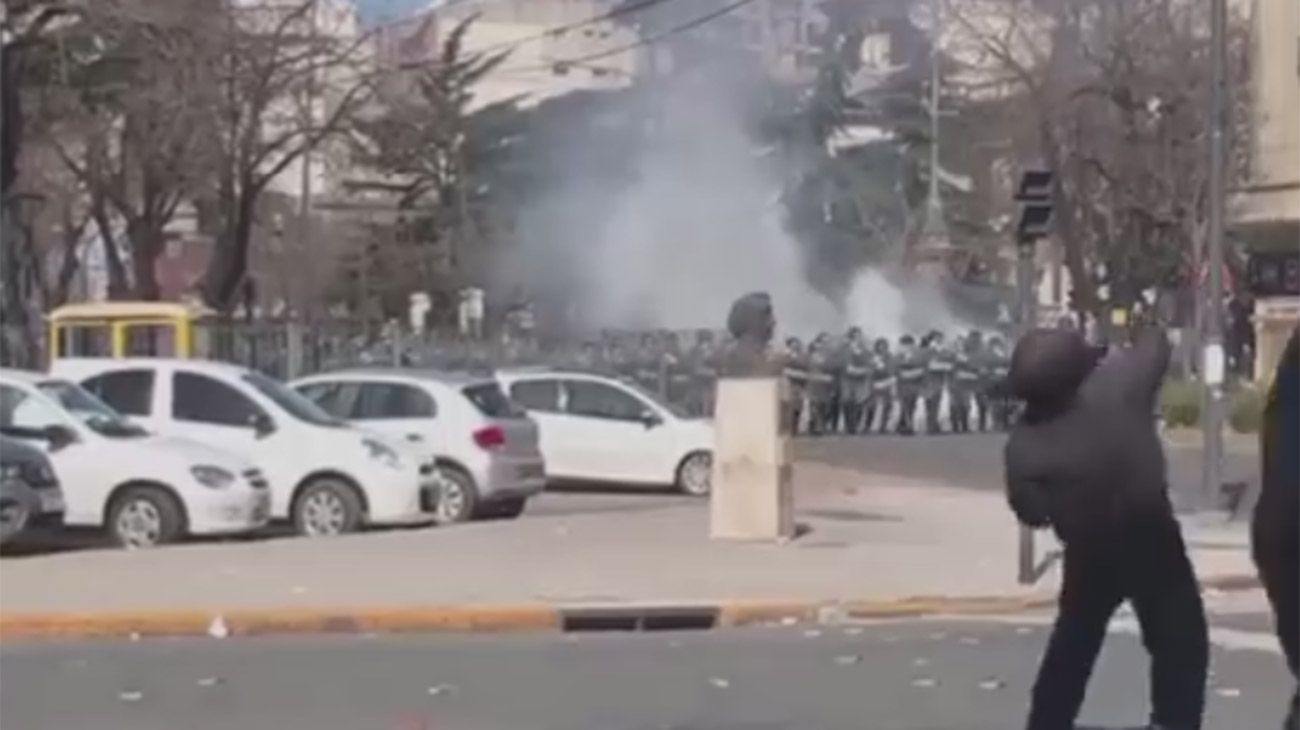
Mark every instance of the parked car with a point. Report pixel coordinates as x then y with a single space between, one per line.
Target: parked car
485 447
595 428
326 476
142 489
30 496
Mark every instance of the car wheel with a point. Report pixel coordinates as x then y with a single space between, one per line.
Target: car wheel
507 509
328 506
695 474
13 519
457 497
144 517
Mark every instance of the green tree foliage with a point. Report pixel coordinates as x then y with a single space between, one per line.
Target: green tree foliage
449 161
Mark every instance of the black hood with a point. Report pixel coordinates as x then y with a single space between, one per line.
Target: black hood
1049 365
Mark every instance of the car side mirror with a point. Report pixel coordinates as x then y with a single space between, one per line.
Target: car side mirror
650 419
59 436
262 425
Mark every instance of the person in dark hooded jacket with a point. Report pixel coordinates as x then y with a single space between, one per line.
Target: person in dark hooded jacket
1085 458
1275 526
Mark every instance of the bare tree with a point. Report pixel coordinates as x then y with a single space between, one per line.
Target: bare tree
129 117
433 150
25 30
1111 96
285 86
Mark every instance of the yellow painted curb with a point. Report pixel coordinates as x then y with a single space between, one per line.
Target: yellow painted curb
751 613
509 618
458 619
949 606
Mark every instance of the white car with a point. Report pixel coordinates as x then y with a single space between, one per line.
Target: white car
326 476
485 447
144 490
595 428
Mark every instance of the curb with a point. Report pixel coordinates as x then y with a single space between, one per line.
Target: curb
522 618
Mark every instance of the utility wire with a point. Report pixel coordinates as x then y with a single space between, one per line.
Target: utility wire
676 30
632 7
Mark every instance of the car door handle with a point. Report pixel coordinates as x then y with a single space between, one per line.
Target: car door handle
414 437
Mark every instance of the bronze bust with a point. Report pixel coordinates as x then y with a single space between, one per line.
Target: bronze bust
751 323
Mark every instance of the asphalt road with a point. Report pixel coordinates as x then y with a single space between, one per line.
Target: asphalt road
975 460
907 676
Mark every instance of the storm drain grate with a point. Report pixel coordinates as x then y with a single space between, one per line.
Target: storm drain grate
657 619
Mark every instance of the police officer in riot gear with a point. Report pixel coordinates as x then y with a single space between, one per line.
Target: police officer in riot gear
821 387
622 362
978 360
704 373
939 363
676 369
794 369
997 367
649 364
911 381
884 379
966 380
588 358
855 381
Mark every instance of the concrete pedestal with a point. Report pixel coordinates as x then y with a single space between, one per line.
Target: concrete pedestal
1274 319
751 494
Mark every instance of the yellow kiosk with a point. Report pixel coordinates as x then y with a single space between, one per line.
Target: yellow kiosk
128 329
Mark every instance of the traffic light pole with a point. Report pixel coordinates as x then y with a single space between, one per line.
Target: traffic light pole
1212 364
1025 321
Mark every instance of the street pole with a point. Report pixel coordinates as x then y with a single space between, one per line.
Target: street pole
1025 320
1212 366
298 306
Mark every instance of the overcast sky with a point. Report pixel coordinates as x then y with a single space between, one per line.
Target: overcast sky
373 10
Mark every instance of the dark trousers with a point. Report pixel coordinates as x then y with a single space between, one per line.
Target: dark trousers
959 412
852 411
932 401
1276 558
907 414
982 411
879 405
1148 566
793 415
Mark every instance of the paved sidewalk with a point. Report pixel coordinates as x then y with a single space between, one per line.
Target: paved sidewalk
868 539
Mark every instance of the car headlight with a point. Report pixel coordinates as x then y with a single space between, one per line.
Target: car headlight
382 453
213 477
11 471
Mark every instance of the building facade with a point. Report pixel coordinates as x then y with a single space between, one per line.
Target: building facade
1266 211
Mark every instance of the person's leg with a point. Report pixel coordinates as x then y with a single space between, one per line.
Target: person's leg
932 412
1089 595
1167 601
907 411
1277 571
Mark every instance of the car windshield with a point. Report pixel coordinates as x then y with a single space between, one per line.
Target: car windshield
294 404
491 402
95 413
673 408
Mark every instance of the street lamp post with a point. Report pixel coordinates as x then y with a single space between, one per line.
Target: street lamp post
1212 365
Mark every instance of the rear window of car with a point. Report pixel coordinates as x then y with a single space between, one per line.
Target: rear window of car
491 402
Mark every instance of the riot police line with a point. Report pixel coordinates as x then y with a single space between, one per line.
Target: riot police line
849 384
859 386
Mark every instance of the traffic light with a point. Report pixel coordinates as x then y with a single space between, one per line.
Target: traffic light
1035 197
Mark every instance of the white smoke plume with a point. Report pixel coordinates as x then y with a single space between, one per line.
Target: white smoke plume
699 224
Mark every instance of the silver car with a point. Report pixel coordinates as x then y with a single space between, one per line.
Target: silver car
485 446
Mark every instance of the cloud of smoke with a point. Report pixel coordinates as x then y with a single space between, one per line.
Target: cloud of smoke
699 223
